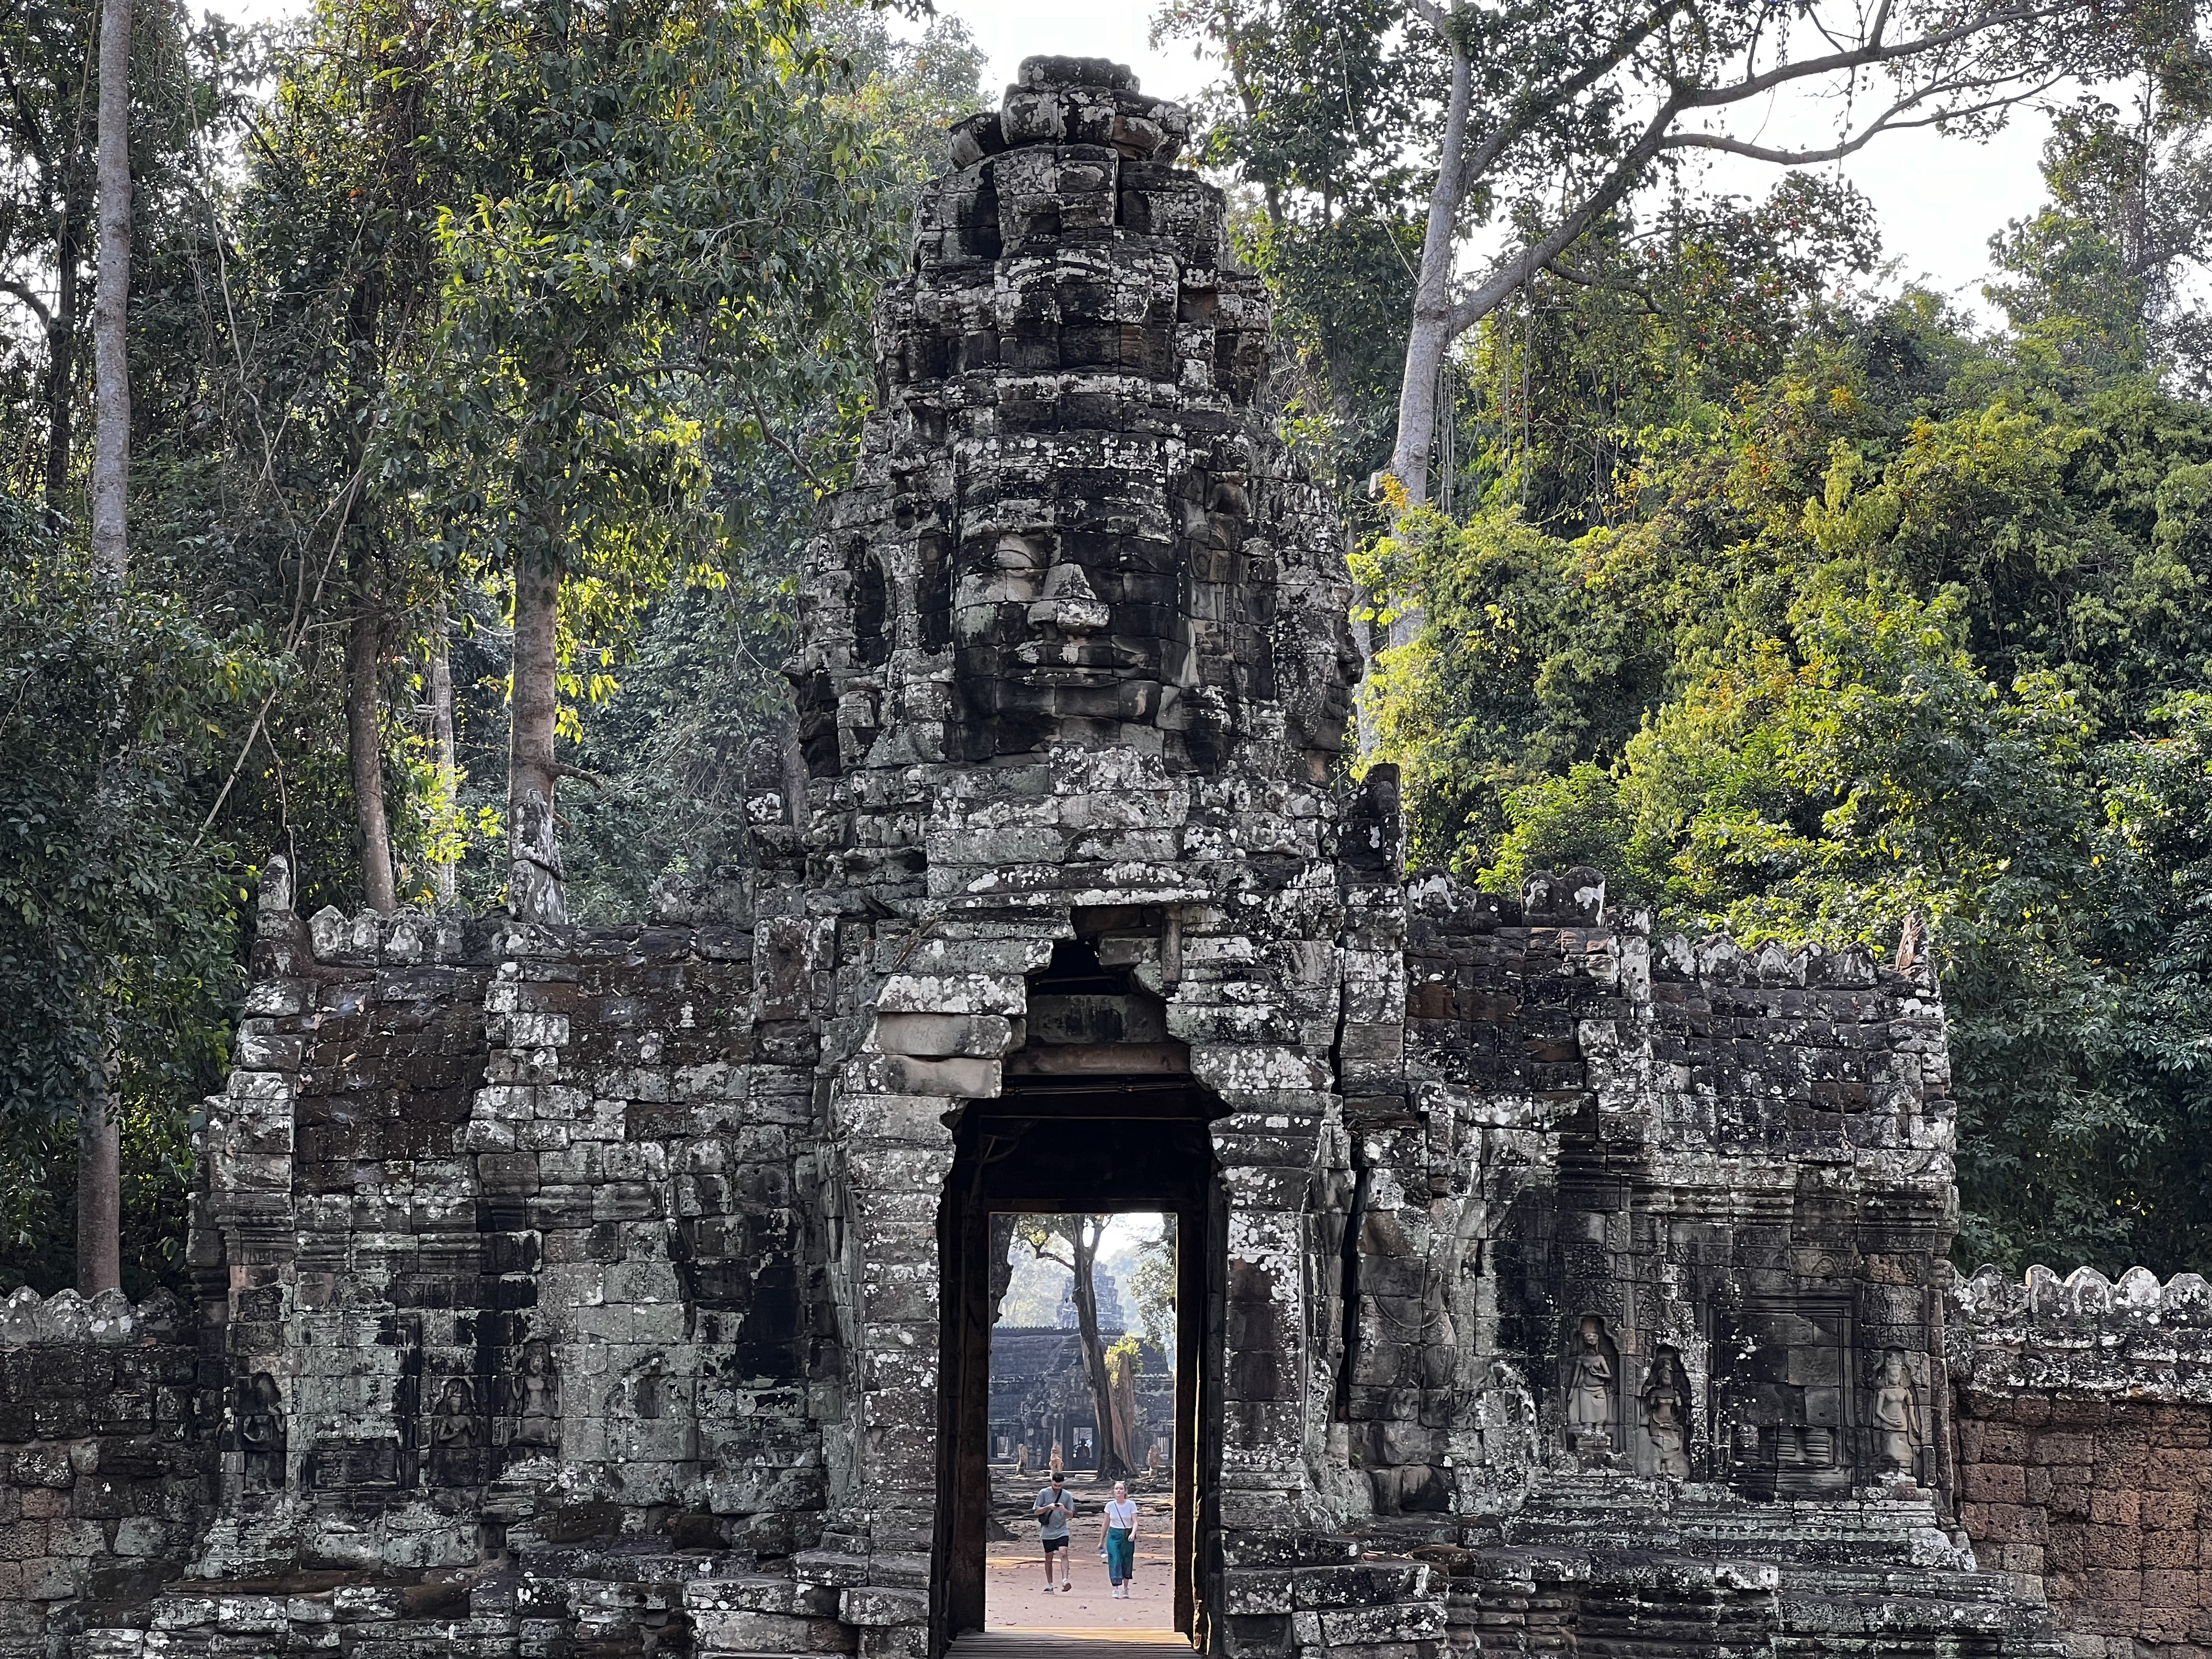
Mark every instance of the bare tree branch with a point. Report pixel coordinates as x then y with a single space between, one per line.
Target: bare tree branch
1887 122
1656 139
1566 272
1518 270
1532 107
9 285
1872 54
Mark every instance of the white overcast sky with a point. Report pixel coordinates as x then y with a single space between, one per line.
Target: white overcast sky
1939 200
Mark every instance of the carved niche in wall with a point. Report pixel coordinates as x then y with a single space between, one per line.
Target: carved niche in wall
1589 1384
455 1436
261 1433
1666 1399
1785 1410
1894 1419
534 1399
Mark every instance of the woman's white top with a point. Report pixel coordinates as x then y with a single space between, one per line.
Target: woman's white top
1121 1516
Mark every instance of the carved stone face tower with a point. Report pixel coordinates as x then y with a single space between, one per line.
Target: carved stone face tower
1075 671
632 1288
1071 524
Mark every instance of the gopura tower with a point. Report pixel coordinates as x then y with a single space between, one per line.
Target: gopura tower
1542 1287
1077 671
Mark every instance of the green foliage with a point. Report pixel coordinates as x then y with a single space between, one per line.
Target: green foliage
1342 292
118 922
1851 612
1322 105
1125 1357
421 286
675 637
1857 653
658 224
1149 1285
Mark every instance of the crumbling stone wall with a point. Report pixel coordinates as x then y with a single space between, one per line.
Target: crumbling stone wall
501 1250
2085 1451
101 1496
1723 1174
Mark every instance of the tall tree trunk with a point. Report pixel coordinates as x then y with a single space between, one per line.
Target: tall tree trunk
110 456
365 637
364 659
1430 332
442 875
1428 337
99 1153
61 353
536 885
1112 1465
100 1186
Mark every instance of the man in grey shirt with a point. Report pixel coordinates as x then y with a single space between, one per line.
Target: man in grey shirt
1055 1507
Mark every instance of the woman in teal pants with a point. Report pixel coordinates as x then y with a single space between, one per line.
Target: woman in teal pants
1117 1540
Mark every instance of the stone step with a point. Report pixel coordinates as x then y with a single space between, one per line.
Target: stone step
1099 1643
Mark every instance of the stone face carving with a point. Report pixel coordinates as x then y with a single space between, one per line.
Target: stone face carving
1067 518
1590 1368
1667 1415
1898 1436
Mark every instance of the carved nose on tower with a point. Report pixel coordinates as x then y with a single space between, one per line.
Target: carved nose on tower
1068 602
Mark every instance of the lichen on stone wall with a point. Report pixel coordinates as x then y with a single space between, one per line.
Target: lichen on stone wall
2085 1450
100 1491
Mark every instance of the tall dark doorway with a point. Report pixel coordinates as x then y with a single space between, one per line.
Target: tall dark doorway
1099 1114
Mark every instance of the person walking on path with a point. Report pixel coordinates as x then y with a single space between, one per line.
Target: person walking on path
1054 1509
1117 1540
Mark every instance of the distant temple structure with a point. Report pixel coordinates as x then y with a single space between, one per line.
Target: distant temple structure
1041 1398
1111 1322
1545 1285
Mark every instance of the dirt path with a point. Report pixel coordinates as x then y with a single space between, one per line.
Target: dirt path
1014 1593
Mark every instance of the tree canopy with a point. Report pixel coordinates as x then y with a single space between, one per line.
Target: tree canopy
428 299
485 366
1899 616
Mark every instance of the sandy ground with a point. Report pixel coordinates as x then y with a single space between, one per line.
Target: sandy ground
1014 1593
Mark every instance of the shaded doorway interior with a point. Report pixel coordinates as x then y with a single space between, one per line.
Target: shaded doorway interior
1098 1115
1082 1380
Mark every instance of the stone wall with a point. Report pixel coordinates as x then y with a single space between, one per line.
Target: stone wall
1724 1173
1041 1390
100 1487
500 1248
2085 1451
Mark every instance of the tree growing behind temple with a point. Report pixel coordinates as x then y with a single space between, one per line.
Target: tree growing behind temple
1321 112
703 701
289 282
1152 1285
1072 1241
1533 126
1914 622
119 957
659 226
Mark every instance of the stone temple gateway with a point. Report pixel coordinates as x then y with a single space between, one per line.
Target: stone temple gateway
1546 1286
